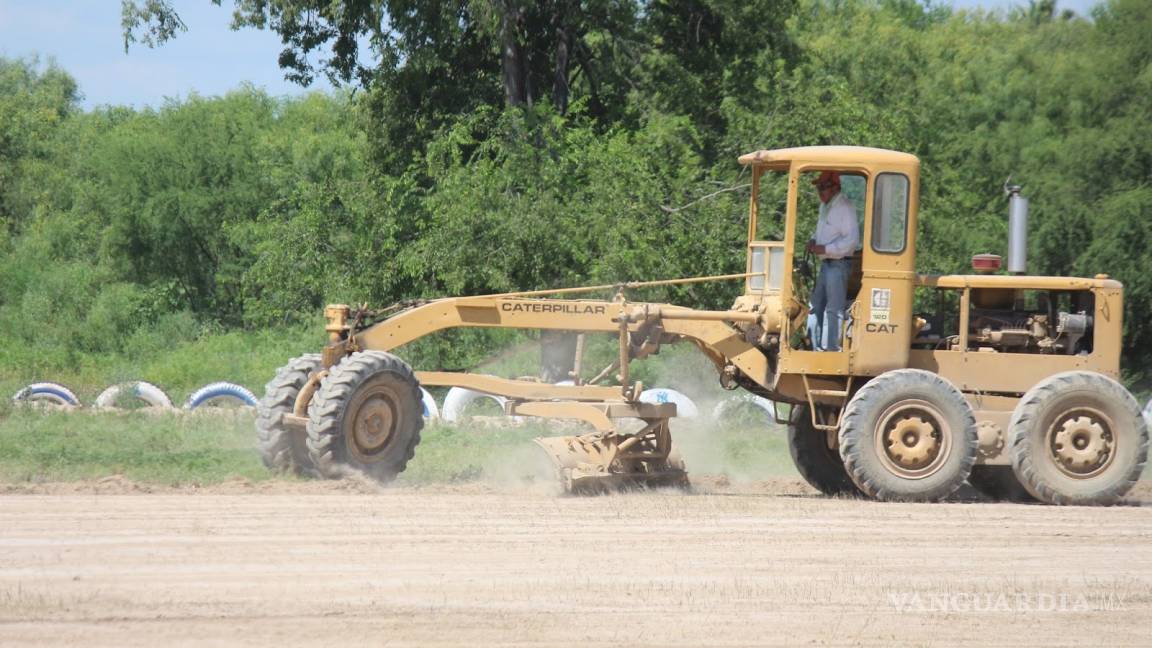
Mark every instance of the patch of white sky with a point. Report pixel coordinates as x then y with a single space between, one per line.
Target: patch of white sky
85 39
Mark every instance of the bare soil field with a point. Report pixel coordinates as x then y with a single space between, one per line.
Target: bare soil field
765 563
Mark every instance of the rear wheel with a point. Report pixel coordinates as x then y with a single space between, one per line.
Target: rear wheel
908 435
819 465
1078 438
999 483
366 416
283 448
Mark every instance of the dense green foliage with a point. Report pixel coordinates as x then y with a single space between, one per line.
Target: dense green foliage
606 155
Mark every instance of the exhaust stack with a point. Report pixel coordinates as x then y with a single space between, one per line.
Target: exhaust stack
1017 229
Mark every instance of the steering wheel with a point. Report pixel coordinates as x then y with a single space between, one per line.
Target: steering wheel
803 283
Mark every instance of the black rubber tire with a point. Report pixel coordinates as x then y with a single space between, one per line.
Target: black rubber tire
284 449
878 402
387 384
1044 406
999 483
818 464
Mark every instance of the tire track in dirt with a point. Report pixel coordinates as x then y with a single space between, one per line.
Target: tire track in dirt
307 563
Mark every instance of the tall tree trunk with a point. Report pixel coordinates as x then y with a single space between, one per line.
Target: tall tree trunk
560 74
596 107
511 54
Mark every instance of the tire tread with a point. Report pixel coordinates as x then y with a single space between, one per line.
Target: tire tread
278 449
819 471
1030 408
858 409
324 433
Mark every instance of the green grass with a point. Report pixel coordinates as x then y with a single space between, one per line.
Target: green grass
177 448
468 453
739 451
159 448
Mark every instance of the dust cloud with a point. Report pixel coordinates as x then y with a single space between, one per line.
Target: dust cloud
730 437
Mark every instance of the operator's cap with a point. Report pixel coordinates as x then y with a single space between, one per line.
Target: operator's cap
827 177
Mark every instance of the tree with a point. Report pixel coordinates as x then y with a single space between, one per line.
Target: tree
429 63
534 43
35 101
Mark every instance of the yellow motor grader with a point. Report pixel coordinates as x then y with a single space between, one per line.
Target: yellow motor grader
1005 380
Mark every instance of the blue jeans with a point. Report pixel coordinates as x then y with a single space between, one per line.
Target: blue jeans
829 298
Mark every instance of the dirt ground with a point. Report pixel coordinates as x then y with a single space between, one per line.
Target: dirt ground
763 563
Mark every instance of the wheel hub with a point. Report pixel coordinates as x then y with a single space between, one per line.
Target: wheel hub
373 425
911 439
912 442
1081 443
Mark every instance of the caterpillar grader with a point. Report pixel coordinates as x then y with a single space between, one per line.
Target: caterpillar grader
997 378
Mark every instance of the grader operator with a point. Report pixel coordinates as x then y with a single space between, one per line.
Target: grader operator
1005 380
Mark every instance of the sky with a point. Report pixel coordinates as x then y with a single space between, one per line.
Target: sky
85 39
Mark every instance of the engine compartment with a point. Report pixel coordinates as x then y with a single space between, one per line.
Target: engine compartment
1004 320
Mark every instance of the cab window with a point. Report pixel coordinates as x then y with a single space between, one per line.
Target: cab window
853 186
890 213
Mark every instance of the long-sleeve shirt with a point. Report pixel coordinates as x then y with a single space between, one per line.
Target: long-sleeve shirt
837 228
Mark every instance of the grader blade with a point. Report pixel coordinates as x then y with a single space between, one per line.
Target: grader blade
605 462
581 462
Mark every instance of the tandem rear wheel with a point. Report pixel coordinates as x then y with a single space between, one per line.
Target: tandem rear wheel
1078 438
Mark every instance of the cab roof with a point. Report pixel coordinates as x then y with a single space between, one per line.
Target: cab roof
782 159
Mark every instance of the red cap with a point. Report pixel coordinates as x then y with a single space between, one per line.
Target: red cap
827 177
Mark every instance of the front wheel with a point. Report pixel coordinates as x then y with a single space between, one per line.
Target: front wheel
1078 438
283 448
819 464
366 416
908 435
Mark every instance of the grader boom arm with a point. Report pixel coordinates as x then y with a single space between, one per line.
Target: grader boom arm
709 330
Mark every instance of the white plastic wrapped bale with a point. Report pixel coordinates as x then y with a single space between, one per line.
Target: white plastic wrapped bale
220 391
458 400
430 409
730 406
46 393
145 391
685 407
